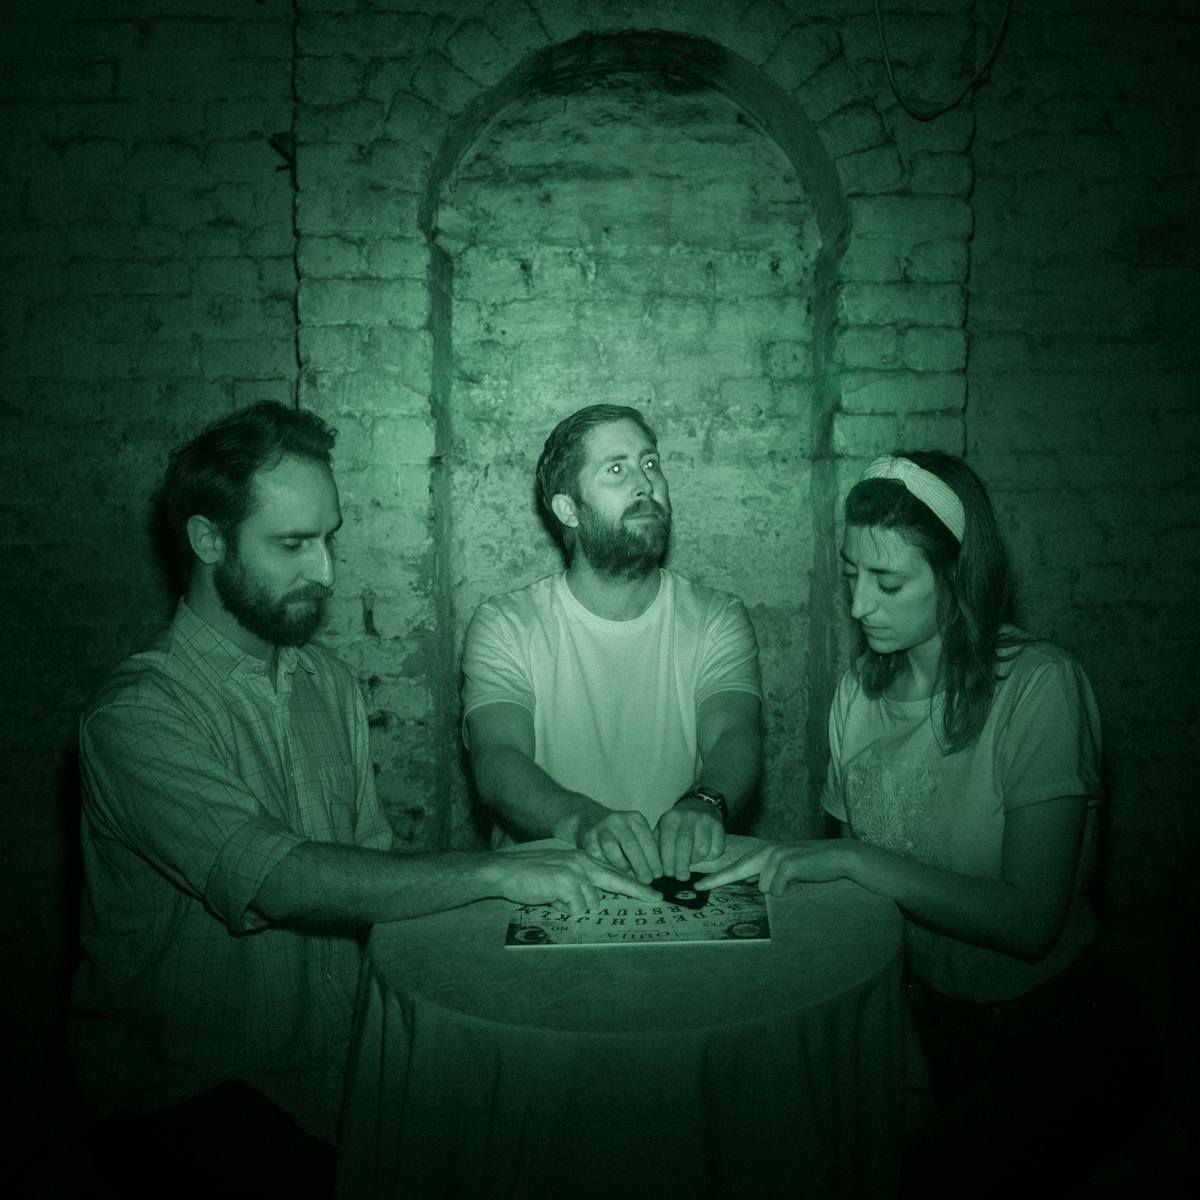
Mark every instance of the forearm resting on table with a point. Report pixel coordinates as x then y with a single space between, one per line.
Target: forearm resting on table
993 913
518 791
333 886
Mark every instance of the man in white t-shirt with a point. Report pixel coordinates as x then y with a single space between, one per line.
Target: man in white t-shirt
615 705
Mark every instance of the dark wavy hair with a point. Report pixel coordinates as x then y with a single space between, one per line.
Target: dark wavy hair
213 474
562 457
974 588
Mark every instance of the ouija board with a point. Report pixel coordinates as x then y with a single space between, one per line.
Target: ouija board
734 913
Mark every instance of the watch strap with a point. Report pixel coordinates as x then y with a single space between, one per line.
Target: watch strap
711 797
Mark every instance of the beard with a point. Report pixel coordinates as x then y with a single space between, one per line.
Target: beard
287 621
627 549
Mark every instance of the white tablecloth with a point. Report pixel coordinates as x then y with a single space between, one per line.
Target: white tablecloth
718 1069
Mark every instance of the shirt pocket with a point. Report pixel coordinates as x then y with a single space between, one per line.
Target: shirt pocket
325 788
337 789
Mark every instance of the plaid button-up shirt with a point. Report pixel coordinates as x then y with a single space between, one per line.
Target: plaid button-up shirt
200 775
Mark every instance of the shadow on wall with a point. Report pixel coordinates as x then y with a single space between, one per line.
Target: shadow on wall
69 807
169 558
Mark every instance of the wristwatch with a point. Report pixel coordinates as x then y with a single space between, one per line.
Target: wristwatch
709 796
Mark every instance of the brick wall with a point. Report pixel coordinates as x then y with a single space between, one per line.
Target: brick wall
147 249
1084 404
702 210
600 267
1016 279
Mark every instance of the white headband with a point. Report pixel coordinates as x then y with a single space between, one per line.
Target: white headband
933 492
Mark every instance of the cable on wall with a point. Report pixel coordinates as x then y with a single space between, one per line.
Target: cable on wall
928 115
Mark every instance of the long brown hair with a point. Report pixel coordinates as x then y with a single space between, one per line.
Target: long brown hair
974 589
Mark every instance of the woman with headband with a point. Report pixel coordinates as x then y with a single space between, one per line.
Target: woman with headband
964 773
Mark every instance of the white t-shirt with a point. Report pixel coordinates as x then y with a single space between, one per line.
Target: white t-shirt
614 703
890 782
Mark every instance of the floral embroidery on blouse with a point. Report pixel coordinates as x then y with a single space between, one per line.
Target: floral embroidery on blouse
891 800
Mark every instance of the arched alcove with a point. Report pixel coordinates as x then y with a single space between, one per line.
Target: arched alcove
643 218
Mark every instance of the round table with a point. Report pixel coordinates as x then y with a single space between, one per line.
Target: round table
649 1070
